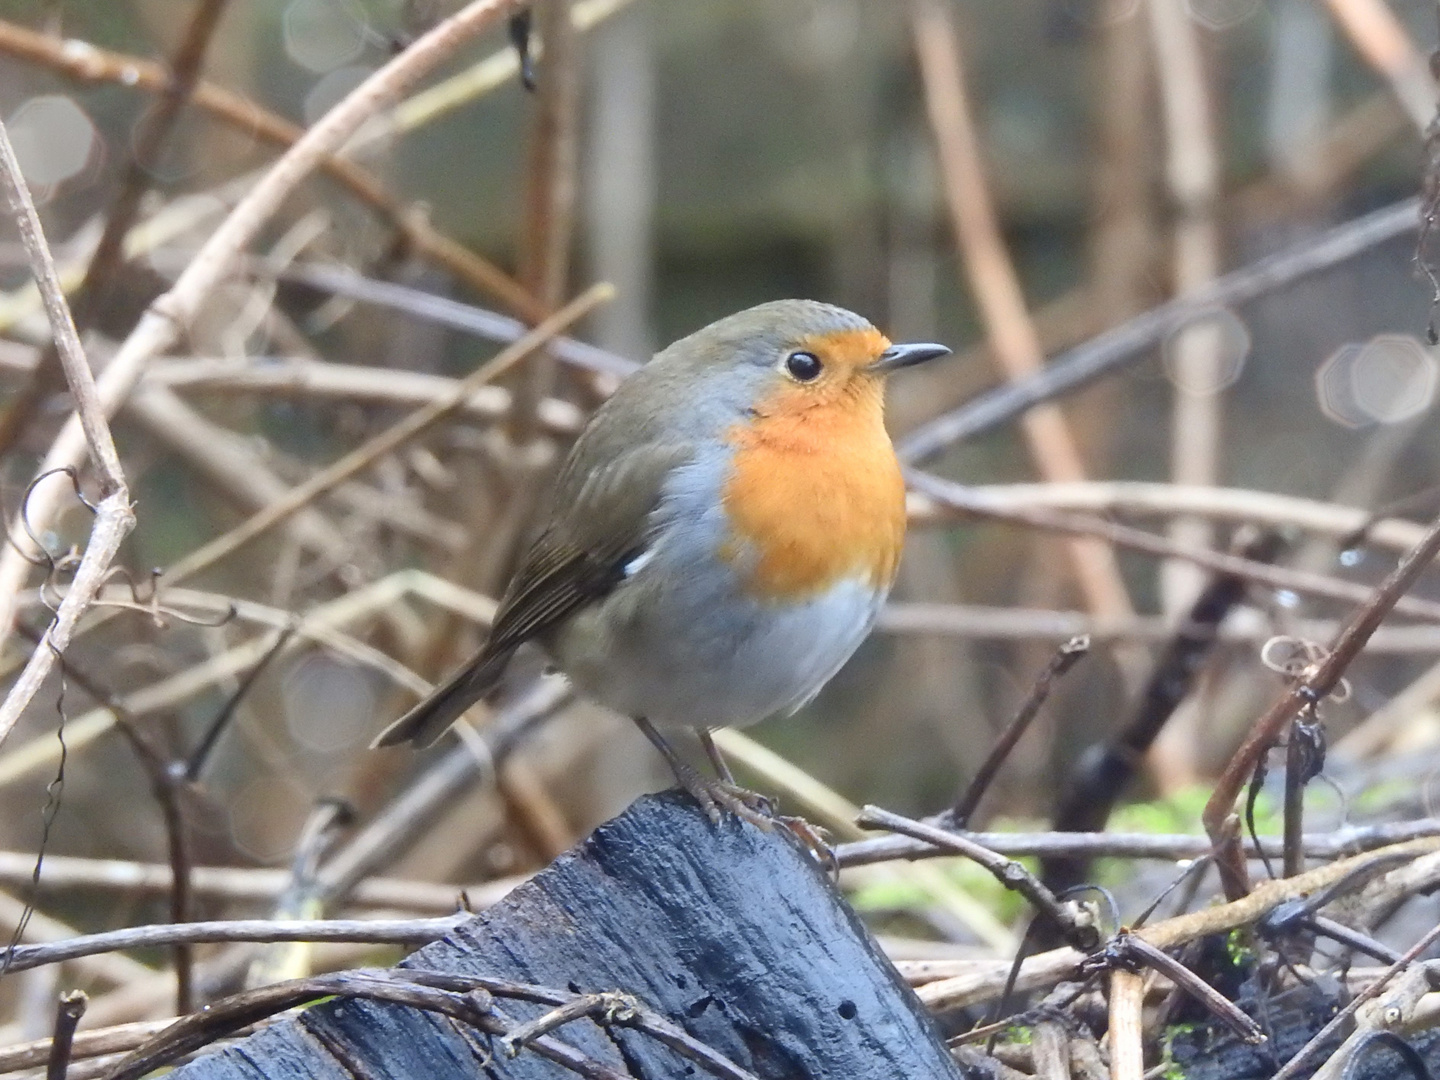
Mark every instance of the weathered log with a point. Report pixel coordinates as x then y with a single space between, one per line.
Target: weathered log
734 934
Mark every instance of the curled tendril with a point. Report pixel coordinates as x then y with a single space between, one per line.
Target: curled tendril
1297 659
161 612
145 597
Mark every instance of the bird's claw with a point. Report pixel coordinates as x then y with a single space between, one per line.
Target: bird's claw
720 797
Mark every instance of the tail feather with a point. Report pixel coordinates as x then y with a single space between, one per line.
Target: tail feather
432 717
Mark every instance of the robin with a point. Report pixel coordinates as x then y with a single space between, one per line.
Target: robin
719 540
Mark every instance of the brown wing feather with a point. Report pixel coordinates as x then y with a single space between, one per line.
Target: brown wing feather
598 523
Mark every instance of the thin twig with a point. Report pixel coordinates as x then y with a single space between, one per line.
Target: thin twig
114 518
381 931
1313 688
1066 657
1341 843
1008 872
195 766
1306 1053
67 1015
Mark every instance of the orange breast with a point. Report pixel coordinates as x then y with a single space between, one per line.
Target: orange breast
815 493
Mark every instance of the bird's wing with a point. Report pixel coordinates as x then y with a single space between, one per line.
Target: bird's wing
599 524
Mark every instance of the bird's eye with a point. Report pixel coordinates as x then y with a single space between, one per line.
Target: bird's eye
803 366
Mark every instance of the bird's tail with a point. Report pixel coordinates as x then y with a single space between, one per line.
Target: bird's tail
432 717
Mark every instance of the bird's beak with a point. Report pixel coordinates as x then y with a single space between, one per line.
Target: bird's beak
902 356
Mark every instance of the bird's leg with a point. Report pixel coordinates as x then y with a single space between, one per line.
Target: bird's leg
713 795
717 759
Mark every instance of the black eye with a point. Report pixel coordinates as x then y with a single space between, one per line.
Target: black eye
803 366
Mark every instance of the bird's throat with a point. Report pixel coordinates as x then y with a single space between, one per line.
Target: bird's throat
814 495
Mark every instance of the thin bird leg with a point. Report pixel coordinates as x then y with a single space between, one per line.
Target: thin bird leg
717 759
714 796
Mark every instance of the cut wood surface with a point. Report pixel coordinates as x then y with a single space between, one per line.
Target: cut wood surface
734 934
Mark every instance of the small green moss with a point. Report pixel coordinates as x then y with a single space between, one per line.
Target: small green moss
1020 1034
1237 946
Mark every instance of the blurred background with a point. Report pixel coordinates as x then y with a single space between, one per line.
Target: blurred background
704 157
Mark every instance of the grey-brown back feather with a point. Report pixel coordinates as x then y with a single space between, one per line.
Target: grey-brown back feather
596 526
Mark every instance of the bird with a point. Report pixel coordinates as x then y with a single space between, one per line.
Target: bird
717 543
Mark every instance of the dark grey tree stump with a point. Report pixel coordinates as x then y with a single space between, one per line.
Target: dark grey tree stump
734 934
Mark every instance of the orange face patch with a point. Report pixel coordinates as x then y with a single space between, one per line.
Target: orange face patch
815 493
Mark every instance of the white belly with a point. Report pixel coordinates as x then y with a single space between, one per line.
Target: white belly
702 654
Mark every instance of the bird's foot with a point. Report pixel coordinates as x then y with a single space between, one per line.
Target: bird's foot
720 797
814 838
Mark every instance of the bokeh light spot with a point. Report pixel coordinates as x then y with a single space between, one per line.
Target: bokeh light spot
265 817
1334 391
1393 378
329 704
322 35
331 89
1208 353
53 139
1222 14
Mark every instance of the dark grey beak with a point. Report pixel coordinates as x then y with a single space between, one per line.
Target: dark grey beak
902 356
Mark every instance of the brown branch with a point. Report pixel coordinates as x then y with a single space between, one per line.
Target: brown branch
1308 691
151 135
549 195
390 440
164 321
67 1015
995 285
1127 1034
1051 967
88 63
973 502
